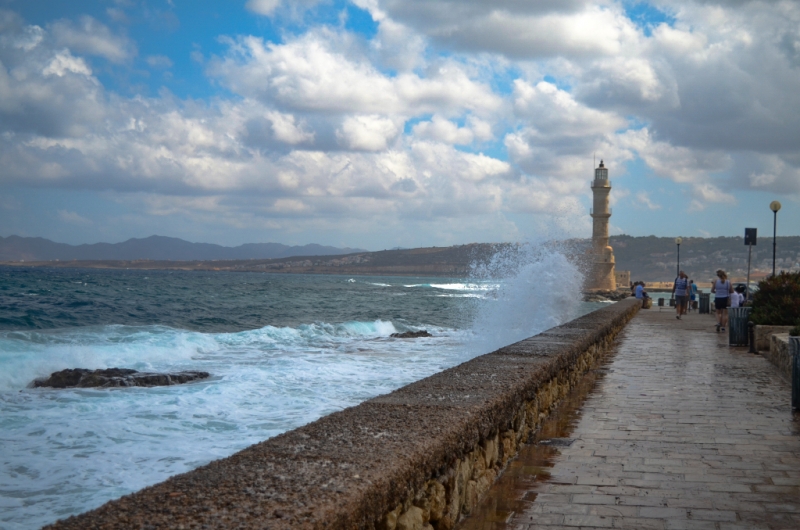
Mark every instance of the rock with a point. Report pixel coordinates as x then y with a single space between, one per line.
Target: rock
114 377
606 296
411 334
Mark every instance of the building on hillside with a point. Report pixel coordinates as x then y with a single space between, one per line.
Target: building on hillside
602 276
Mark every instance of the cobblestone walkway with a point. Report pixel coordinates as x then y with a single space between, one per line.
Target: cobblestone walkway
684 432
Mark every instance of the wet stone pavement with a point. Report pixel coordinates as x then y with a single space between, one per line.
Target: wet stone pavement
679 431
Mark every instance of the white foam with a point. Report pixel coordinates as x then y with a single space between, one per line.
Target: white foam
541 289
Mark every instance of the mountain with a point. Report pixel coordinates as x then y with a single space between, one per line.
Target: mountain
15 248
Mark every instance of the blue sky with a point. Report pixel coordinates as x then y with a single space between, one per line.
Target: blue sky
383 123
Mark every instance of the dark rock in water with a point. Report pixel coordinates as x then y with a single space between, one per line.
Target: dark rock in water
411 334
114 377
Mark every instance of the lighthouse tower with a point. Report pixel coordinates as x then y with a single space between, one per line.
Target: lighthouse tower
601 276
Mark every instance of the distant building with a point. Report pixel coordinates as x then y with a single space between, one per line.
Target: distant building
602 275
623 279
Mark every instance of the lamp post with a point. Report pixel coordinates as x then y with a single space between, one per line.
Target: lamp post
774 206
678 241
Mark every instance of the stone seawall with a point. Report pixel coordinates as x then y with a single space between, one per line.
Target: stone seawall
418 458
778 354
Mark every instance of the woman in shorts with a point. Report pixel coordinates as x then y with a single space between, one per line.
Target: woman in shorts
722 291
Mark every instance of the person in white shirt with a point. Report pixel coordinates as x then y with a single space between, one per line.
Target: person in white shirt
736 299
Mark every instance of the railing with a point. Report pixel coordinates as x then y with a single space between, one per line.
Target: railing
602 181
591 211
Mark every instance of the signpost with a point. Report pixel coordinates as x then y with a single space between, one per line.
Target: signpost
750 240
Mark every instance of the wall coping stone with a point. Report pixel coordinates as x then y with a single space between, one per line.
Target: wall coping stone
349 469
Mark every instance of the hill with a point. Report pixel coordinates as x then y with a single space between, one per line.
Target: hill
648 258
655 258
15 248
434 261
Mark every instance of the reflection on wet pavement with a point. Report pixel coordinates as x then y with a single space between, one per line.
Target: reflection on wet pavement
514 490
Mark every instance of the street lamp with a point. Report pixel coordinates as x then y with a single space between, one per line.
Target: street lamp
678 241
774 206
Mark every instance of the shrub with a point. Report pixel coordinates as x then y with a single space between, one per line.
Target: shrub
777 301
795 331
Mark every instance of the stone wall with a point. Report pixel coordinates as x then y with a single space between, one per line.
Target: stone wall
763 334
778 353
418 458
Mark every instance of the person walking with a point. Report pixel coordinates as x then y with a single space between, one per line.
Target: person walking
692 294
680 291
722 299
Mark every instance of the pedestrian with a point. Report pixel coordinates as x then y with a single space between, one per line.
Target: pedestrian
722 299
737 298
680 290
639 290
692 294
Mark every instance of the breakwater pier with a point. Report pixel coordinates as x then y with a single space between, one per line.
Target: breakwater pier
681 432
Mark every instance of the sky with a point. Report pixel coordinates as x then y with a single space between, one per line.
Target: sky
385 123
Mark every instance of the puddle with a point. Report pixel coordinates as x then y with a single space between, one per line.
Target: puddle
514 490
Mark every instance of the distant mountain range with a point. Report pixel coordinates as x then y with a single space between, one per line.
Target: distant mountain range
15 248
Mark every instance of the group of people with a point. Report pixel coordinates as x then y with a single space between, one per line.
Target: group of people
684 291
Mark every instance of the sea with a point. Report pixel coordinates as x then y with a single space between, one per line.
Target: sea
282 351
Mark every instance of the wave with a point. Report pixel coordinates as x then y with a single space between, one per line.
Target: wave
27 355
457 286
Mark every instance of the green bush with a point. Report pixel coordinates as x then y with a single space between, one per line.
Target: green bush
777 300
795 331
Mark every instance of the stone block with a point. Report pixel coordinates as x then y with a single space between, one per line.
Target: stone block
778 353
763 334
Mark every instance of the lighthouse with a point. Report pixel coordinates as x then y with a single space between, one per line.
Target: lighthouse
602 275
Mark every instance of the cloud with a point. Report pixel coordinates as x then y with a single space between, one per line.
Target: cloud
443 130
73 218
520 30
263 7
269 8
452 112
88 35
309 74
159 61
64 63
367 133
643 199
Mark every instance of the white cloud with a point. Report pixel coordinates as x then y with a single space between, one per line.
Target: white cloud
643 199
159 61
88 35
443 130
73 218
64 62
287 129
316 133
367 133
309 74
263 7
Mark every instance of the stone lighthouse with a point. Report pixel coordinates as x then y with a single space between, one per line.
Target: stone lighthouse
601 276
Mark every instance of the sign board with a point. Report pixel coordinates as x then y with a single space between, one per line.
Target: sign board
750 236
